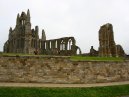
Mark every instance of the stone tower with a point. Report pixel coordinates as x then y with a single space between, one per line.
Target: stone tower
23 39
43 35
26 25
107 46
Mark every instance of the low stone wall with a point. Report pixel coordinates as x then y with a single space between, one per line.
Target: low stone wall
60 70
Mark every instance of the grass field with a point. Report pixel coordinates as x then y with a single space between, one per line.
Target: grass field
73 58
15 54
86 58
110 91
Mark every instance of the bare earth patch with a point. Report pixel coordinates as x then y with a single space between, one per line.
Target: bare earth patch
3 84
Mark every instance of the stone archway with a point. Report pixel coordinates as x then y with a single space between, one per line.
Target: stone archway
78 52
62 45
69 44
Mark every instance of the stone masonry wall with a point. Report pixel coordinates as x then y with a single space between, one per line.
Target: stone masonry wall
60 70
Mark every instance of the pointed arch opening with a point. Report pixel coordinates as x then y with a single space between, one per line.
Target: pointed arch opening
69 44
62 45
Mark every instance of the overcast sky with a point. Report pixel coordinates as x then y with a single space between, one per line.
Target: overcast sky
63 18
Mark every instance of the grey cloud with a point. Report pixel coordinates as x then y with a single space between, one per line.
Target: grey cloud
78 18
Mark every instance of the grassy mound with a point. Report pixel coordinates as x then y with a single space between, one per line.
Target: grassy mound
86 58
73 58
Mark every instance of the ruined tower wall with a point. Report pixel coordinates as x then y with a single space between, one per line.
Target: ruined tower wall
107 45
23 39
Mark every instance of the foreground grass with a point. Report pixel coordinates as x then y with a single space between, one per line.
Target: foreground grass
86 58
110 91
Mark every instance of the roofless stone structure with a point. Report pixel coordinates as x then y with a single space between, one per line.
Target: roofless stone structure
23 39
107 45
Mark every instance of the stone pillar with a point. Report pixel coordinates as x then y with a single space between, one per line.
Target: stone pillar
106 41
107 46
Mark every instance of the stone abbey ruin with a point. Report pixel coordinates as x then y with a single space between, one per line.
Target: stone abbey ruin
23 39
59 69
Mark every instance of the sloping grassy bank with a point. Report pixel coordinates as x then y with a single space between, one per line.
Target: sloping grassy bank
110 91
15 54
73 58
86 58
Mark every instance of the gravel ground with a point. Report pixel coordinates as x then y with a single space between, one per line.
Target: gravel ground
3 84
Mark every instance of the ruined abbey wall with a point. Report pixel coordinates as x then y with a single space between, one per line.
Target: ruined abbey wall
60 70
61 46
23 39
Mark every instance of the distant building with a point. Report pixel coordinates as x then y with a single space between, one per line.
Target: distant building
23 39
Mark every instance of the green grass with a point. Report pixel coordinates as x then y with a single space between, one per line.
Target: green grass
73 58
110 91
86 58
15 54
